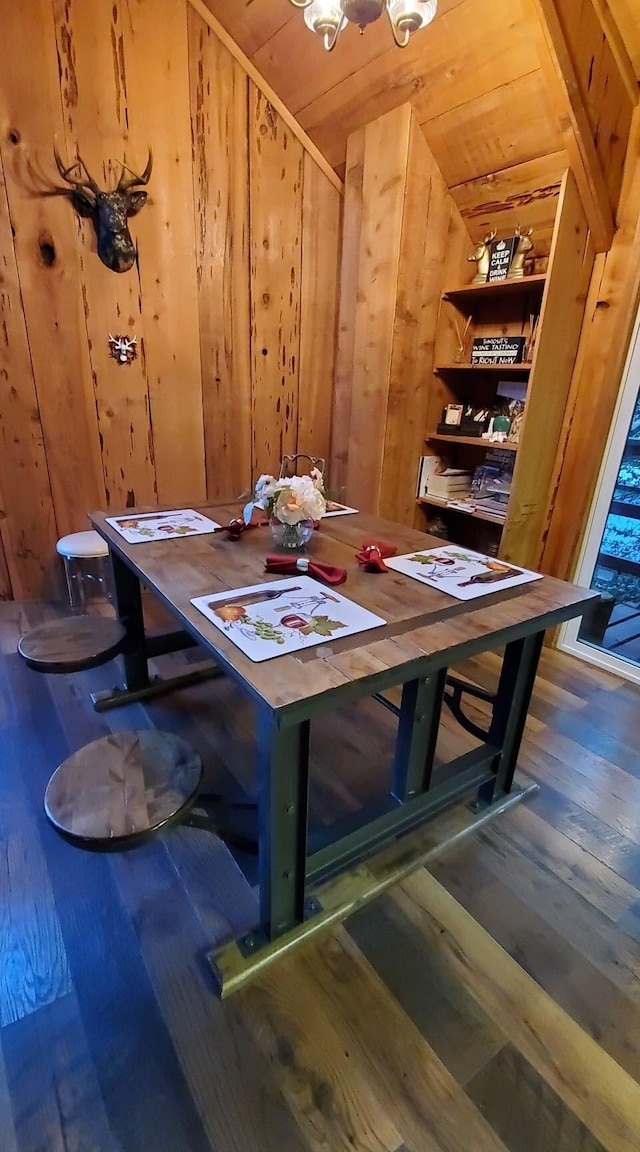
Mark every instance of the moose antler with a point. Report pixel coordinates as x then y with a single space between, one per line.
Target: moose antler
87 182
124 183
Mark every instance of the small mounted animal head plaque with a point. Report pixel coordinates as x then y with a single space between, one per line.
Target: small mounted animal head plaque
122 348
109 210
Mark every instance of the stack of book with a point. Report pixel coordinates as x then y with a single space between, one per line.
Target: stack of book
491 485
495 503
452 484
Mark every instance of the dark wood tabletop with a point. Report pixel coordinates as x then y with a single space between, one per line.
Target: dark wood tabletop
421 622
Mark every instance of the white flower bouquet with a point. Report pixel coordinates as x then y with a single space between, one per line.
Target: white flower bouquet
294 501
291 499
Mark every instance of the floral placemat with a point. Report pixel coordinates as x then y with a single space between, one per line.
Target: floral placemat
335 509
267 620
162 525
461 573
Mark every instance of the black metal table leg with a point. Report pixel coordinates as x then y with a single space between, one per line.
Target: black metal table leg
283 811
329 864
129 608
417 735
139 649
517 678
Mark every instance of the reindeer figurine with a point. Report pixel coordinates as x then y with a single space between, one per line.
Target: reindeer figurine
482 255
109 211
523 248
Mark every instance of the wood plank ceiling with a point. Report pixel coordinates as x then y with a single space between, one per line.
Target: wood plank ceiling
478 78
454 73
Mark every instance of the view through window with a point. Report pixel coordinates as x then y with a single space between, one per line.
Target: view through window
615 625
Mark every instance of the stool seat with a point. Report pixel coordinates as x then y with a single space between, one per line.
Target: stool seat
122 789
82 545
72 644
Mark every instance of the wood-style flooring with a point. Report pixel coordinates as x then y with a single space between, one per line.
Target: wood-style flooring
490 1004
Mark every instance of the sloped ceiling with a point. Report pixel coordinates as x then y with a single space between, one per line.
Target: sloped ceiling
474 77
508 93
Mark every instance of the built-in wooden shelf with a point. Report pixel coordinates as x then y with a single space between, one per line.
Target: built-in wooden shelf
504 369
496 288
475 441
504 308
486 516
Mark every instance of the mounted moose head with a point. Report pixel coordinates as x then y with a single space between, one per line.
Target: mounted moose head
109 211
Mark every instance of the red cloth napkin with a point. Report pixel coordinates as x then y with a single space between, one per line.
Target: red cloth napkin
237 526
292 565
372 555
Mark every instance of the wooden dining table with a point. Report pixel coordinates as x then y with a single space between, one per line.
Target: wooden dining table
426 633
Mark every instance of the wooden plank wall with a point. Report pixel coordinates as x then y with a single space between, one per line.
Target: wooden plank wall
219 102
275 162
606 99
396 230
232 301
28 522
385 157
610 315
625 14
570 268
425 230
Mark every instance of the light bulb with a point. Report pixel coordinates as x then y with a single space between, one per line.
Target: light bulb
324 16
408 16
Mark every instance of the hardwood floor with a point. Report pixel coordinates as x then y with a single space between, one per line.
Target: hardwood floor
490 1004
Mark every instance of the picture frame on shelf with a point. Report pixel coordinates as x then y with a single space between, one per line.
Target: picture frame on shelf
500 259
494 350
474 421
453 414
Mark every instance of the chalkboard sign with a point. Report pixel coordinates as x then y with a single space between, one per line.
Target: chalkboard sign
498 350
500 259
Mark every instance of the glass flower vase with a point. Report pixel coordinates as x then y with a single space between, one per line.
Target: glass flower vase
291 536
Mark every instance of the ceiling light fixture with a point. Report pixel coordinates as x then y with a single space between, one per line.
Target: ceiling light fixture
329 17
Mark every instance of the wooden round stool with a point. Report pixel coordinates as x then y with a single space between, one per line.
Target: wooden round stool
121 790
72 644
